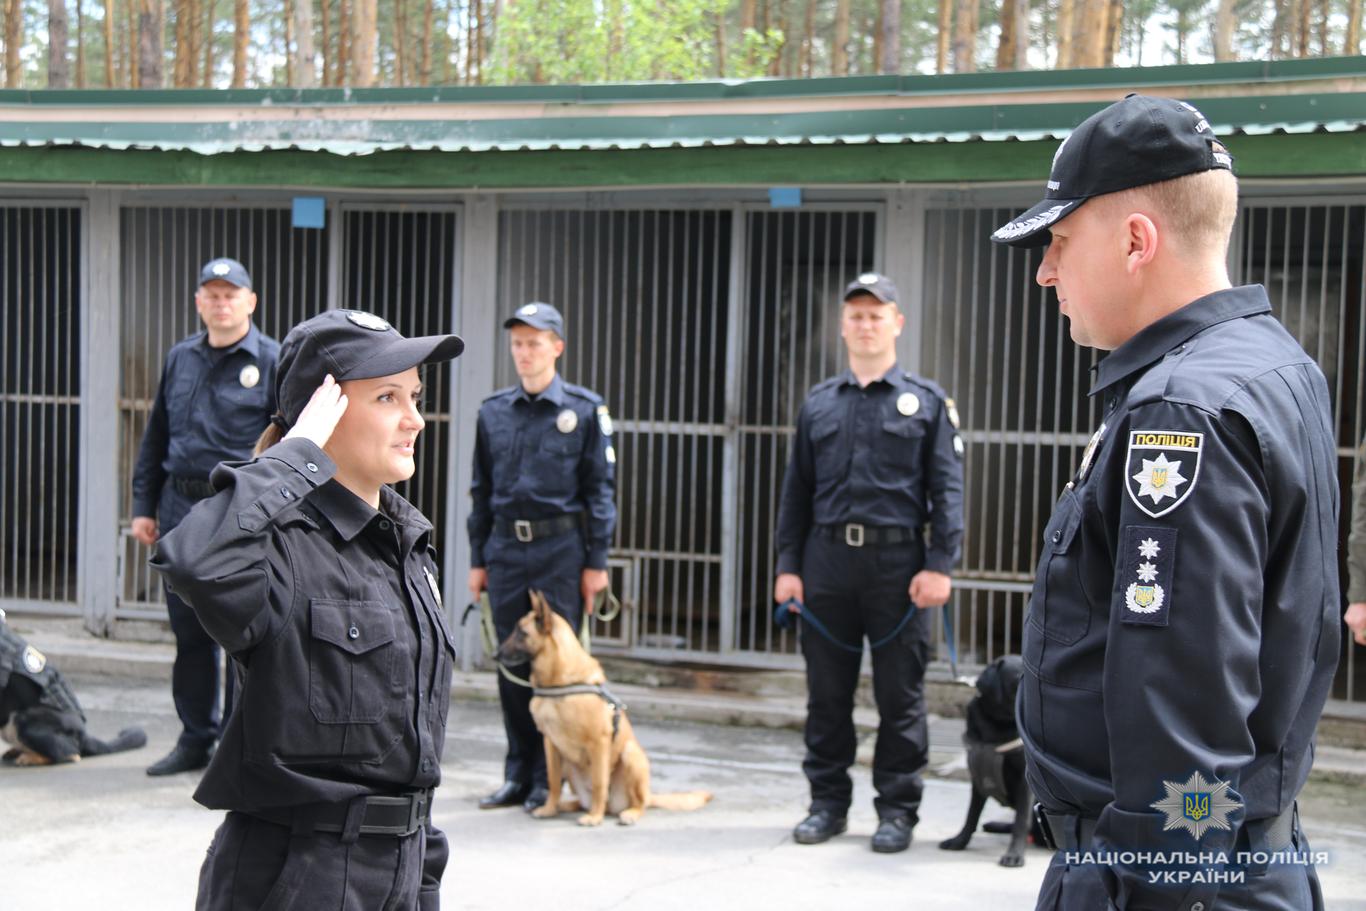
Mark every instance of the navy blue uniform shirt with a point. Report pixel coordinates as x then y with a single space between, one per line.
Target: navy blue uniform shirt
1185 611
538 457
211 407
887 454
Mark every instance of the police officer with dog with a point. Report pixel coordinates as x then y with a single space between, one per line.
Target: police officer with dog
216 395
1183 631
542 518
877 457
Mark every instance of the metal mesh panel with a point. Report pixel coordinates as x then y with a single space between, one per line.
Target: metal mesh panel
798 264
643 294
40 290
1310 258
163 249
400 264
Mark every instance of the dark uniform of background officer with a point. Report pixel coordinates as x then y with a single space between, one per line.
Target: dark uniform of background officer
542 516
877 456
216 395
1184 620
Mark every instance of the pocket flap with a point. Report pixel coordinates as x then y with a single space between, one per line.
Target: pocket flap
822 429
904 427
352 626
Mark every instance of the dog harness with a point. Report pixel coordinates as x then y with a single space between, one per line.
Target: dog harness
586 689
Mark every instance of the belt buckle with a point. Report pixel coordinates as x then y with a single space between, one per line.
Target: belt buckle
414 812
522 529
853 534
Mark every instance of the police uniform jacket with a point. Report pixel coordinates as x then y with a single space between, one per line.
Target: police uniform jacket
334 611
541 457
1356 540
211 406
887 455
1184 613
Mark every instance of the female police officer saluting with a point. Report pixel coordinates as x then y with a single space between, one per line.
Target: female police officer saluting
320 581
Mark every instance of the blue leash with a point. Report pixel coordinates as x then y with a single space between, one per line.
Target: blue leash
786 619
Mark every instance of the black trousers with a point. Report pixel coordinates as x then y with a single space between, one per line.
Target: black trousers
552 566
860 592
257 864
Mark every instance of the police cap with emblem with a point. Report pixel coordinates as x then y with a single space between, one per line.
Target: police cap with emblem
1132 143
537 315
227 270
874 283
350 345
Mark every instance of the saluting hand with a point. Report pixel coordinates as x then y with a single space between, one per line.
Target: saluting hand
320 416
930 589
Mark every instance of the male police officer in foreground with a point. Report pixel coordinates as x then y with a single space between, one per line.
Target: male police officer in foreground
217 394
542 517
1183 631
877 455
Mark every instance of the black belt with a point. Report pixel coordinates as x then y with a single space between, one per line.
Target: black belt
193 488
394 816
856 534
1072 832
528 530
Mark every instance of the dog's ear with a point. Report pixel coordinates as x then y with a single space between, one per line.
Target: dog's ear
540 609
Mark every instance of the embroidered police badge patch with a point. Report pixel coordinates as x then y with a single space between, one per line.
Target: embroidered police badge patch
604 421
951 410
567 421
908 403
34 660
1163 466
1149 565
367 320
250 376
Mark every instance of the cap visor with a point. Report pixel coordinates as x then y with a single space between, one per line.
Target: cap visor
406 353
1031 228
531 321
861 291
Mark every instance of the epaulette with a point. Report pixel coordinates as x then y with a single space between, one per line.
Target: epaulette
500 393
587 394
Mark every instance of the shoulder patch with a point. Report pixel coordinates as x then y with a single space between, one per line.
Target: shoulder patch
34 660
1162 468
1148 555
604 421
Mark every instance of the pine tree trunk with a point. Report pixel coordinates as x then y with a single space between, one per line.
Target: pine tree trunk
720 45
1223 31
891 36
839 53
179 77
305 58
14 34
747 24
877 40
241 40
1021 34
58 50
210 20
341 74
1066 15
80 44
150 30
1092 33
290 56
400 42
1351 41
424 74
941 56
132 44
1322 21
1302 28
363 13
1005 49
965 37
109 51
1114 31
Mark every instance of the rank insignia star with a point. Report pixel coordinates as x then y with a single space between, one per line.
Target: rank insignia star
1149 548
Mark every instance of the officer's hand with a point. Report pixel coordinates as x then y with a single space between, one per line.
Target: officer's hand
930 589
788 588
320 416
1356 621
479 580
145 530
590 583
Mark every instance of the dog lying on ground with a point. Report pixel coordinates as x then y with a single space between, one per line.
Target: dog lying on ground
39 714
996 757
588 738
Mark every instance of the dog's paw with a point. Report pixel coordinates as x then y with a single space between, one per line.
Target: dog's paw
545 811
590 819
1012 860
629 817
30 758
957 843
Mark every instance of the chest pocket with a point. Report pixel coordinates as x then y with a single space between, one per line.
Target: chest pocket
899 443
350 661
242 410
827 446
1058 606
556 460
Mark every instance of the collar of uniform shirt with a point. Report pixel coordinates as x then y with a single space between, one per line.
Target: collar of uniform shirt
893 373
1156 340
250 343
554 393
349 514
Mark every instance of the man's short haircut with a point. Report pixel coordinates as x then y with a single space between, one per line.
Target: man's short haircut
1197 210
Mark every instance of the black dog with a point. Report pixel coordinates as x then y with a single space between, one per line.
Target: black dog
996 757
39 714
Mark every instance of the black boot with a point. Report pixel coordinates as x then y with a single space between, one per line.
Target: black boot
536 799
184 758
821 825
509 794
892 835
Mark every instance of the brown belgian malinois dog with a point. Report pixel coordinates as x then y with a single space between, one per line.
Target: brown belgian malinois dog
588 738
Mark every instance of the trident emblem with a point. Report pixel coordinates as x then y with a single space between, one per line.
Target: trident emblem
1159 478
1197 806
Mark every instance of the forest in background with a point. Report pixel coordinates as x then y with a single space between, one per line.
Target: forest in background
359 43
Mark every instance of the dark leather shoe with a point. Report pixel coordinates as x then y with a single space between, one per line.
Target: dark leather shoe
820 826
509 794
536 799
892 835
181 759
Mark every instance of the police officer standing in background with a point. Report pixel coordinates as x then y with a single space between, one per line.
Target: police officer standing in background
876 457
1356 554
216 395
1183 632
542 516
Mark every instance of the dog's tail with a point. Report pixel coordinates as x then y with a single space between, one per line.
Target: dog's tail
128 739
680 800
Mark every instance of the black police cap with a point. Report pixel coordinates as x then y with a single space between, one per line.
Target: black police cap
537 315
1132 143
874 283
350 345
223 269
